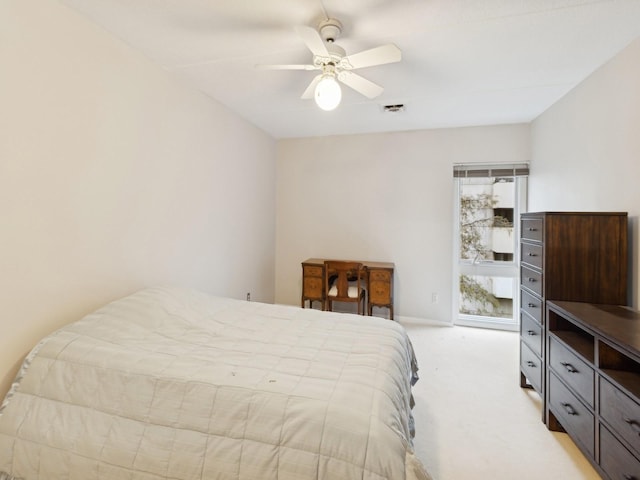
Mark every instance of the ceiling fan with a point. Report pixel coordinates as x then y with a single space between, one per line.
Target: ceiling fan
336 66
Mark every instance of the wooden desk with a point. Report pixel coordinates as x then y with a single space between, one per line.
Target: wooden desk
379 281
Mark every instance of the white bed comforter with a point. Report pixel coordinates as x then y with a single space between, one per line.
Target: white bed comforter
176 384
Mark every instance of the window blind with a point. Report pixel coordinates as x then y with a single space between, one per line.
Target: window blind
477 170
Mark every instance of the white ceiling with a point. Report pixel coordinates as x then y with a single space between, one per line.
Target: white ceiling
465 62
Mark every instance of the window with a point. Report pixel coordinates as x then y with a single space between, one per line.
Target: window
489 200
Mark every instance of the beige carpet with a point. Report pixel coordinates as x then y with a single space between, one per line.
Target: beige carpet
473 421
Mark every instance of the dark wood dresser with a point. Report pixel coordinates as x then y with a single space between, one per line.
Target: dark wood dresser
573 256
593 388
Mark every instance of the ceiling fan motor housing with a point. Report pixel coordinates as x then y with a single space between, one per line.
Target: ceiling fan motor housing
330 30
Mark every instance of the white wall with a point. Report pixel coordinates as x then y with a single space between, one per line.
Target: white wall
115 176
381 197
586 148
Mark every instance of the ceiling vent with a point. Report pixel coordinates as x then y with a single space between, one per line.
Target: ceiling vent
393 108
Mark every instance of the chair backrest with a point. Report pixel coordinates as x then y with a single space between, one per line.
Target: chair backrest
339 273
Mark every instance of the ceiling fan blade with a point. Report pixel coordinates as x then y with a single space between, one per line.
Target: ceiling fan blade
375 56
286 67
313 40
360 84
309 92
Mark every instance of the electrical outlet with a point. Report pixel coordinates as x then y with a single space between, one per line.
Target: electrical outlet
434 297
248 296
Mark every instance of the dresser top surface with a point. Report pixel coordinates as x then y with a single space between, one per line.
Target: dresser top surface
527 214
616 323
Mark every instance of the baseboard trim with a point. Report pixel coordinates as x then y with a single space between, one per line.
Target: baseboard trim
405 320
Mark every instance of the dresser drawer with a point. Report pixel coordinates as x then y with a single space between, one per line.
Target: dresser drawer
531 366
616 461
576 418
531 279
621 413
379 293
574 371
312 271
532 229
377 275
531 333
532 305
313 287
531 254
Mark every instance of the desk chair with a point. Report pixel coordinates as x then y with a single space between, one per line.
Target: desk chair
345 282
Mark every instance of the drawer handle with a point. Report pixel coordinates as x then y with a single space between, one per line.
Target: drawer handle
531 279
569 409
531 333
531 305
635 426
532 229
531 254
530 364
570 368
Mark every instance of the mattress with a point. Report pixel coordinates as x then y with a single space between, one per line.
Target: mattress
172 383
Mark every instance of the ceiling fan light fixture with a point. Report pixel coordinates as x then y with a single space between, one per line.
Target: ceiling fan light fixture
328 93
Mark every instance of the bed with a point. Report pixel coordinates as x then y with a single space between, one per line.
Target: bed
172 383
